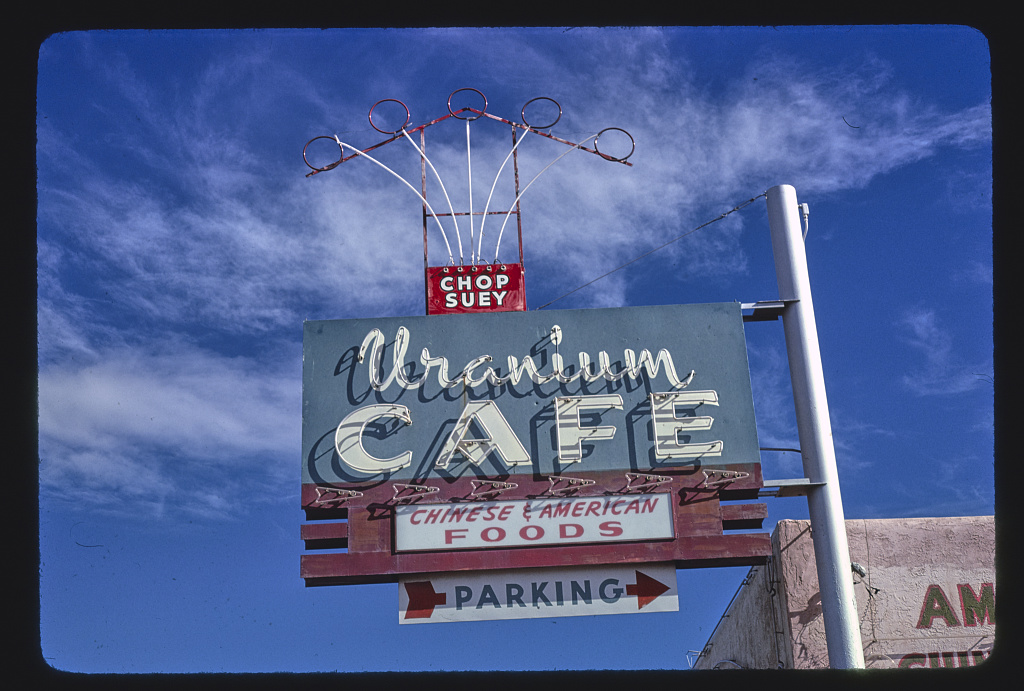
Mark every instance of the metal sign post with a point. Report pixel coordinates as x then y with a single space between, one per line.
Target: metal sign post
828 527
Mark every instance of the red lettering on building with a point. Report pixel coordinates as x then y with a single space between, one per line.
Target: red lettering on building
960 658
450 534
531 532
456 514
498 533
565 528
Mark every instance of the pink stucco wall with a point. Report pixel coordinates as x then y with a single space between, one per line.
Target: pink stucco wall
926 599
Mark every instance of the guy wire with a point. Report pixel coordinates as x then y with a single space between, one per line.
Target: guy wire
649 252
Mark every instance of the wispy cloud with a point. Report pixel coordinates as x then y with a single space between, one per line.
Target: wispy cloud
146 425
944 492
943 370
209 228
976 272
176 229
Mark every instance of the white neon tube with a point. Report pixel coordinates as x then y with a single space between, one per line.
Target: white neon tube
458 236
488 205
440 227
500 233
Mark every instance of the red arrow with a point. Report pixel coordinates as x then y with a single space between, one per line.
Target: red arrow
422 600
646 589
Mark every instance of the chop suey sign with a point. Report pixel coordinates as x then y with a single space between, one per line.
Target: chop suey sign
492 395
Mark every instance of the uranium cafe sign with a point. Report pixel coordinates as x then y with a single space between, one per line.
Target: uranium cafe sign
465 443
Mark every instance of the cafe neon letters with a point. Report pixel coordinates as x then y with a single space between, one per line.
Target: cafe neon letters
500 438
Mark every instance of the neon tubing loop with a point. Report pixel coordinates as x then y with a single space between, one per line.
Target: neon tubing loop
519 196
458 236
421 197
329 166
469 162
528 128
401 129
617 129
522 113
493 185
468 88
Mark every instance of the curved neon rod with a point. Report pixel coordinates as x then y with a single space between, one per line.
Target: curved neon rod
371 352
507 215
458 236
439 226
487 206
469 169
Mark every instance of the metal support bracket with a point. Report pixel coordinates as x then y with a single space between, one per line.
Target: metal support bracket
496 488
565 486
645 481
792 487
764 310
342 495
411 493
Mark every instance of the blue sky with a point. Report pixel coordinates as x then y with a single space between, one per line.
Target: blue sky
180 248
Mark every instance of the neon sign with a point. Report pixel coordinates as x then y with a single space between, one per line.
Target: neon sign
500 439
540 439
634 368
501 396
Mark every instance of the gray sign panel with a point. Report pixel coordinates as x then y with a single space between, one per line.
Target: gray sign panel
637 389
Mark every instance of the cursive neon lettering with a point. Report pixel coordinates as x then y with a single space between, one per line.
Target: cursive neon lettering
372 353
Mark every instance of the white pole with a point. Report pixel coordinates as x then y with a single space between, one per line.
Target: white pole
828 525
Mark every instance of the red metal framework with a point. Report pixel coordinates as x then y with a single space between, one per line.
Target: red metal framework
466 114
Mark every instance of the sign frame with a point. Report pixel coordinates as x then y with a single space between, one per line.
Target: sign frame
525 593
476 288
533 522
350 537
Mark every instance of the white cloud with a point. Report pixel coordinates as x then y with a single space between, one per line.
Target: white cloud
147 423
253 244
223 408
196 219
943 370
975 271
